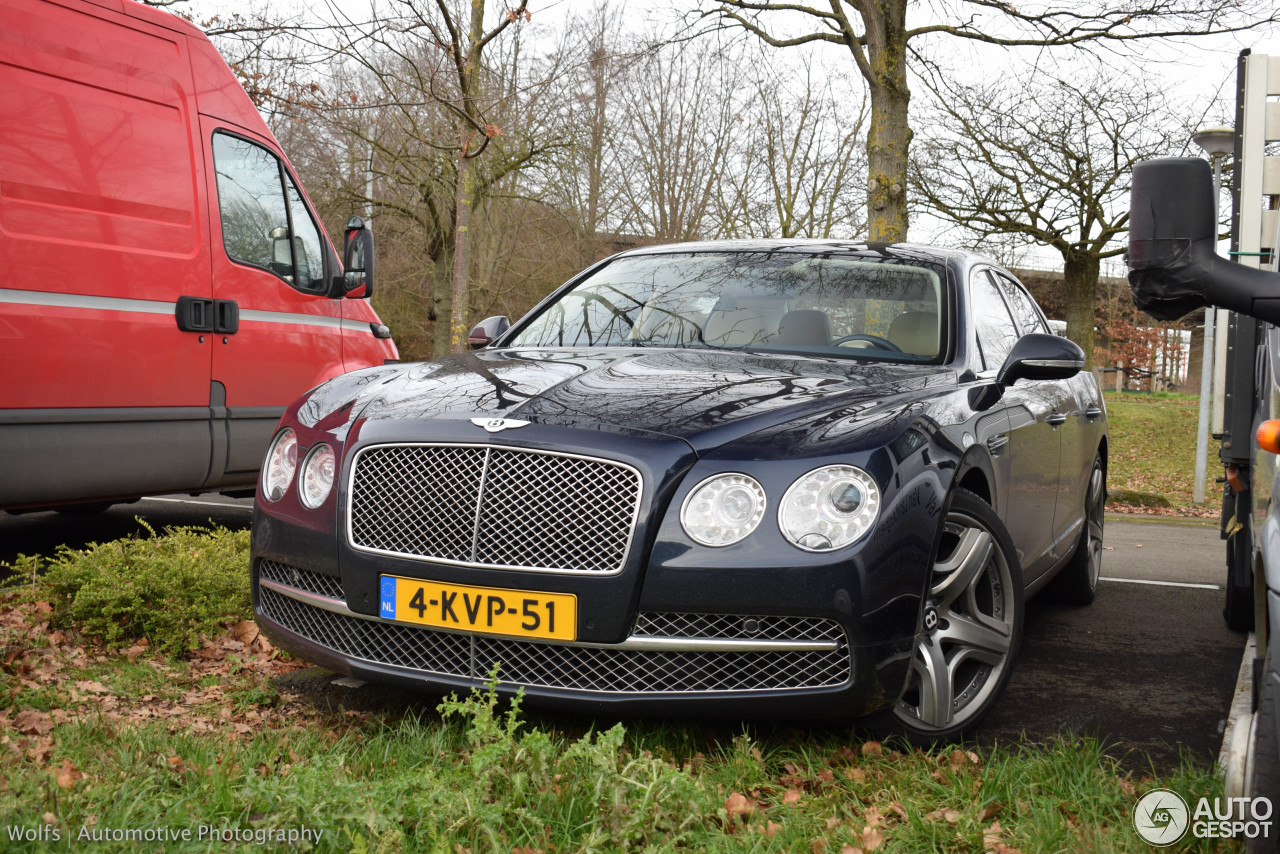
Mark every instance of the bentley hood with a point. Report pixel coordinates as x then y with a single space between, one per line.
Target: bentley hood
705 397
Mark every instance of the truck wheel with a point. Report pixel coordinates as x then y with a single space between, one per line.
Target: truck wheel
1239 608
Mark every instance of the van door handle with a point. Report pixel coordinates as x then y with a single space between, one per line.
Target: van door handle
1056 418
226 316
194 314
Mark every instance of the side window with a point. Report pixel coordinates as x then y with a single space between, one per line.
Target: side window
996 332
1024 307
258 213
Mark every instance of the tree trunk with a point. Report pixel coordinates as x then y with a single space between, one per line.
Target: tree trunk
442 303
889 134
460 309
1080 275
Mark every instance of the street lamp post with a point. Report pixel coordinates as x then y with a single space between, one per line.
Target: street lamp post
1217 143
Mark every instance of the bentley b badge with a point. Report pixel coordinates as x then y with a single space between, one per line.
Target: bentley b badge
497 425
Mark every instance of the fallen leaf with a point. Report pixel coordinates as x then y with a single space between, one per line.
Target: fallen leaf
792 796
849 849
67 775
772 828
818 846
49 818
947 814
738 804
872 748
872 838
855 774
30 722
833 822
93 687
990 811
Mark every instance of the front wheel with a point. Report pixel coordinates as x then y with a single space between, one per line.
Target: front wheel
971 625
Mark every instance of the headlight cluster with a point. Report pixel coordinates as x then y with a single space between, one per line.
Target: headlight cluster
823 510
318 470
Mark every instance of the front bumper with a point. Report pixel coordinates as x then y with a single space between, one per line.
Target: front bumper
766 666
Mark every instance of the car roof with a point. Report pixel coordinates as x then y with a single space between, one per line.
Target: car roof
958 257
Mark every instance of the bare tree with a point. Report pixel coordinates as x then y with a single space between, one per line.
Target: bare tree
795 171
1045 160
879 41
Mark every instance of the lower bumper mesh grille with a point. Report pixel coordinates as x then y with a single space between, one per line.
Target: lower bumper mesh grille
579 668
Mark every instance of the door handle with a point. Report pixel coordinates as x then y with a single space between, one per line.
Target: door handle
1093 413
194 314
1056 418
226 316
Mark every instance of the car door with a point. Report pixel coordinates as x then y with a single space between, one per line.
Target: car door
1034 447
1078 409
269 264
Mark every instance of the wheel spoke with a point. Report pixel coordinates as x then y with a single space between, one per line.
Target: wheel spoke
935 684
959 571
982 638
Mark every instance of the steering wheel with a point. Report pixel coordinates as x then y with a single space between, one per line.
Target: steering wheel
873 340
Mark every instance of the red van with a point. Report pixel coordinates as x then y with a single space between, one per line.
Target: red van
167 287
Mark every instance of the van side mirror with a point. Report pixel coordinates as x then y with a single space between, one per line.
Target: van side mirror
1037 356
484 332
357 259
1173 266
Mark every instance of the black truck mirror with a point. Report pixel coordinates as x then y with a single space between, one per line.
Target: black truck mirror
357 259
1173 266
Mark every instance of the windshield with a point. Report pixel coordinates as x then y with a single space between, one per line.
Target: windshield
786 302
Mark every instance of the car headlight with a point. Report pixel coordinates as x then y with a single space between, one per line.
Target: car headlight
317 476
282 462
723 509
829 508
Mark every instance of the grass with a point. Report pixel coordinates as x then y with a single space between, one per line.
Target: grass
106 737
1151 467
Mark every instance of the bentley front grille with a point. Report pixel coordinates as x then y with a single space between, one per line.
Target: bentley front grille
647 664
490 506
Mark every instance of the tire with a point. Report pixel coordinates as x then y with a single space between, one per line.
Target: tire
1265 781
970 626
1077 582
1238 610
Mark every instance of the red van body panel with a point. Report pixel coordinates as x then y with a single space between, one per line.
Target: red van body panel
110 222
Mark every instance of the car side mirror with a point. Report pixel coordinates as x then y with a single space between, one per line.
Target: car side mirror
484 332
357 259
1037 356
1173 267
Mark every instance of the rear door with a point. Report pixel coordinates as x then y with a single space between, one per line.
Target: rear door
102 230
270 273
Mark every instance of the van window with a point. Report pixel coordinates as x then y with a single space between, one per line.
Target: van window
256 211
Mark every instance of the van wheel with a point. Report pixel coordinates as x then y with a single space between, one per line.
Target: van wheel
971 626
1077 583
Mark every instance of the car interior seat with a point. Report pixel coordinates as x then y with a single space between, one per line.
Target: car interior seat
915 332
804 327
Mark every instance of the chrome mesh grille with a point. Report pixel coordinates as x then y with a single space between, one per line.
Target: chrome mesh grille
494 506
737 627
303 579
569 667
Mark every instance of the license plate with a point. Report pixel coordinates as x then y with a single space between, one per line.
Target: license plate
487 610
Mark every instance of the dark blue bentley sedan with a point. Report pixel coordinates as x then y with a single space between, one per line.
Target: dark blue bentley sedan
787 478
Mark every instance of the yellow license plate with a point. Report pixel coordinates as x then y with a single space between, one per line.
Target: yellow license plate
489 610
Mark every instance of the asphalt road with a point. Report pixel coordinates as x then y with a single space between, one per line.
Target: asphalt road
1149 667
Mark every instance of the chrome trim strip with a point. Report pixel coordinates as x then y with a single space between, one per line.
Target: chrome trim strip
51 299
61 300
657 644
1053 363
631 534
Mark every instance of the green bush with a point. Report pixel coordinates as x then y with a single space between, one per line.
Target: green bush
168 589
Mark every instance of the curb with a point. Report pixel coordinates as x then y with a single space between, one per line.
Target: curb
1236 754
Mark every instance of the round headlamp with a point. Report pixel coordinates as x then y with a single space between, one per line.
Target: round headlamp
316 481
829 508
282 462
723 509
